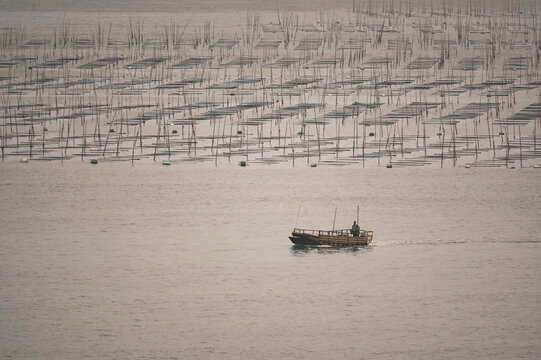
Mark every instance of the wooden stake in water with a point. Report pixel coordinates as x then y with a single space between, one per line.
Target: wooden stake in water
520 145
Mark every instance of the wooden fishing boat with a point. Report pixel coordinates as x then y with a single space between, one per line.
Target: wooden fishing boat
307 237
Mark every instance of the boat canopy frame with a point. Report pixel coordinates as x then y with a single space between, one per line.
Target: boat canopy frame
340 232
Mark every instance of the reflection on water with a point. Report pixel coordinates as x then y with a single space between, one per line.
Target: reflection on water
301 250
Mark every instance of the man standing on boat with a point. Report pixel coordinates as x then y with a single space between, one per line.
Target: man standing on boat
355 229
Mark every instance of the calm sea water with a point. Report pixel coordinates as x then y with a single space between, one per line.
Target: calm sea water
191 261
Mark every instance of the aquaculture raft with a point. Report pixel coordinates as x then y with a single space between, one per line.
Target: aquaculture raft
306 237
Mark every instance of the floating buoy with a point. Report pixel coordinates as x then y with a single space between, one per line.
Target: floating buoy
93 161
242 163
24 160
166 162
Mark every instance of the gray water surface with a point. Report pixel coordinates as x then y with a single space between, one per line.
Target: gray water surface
190 261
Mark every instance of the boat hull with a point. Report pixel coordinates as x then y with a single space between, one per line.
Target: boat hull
303 239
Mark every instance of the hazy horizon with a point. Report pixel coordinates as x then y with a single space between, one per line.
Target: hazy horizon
238 5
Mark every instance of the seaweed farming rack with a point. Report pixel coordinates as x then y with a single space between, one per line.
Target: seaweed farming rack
377 86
